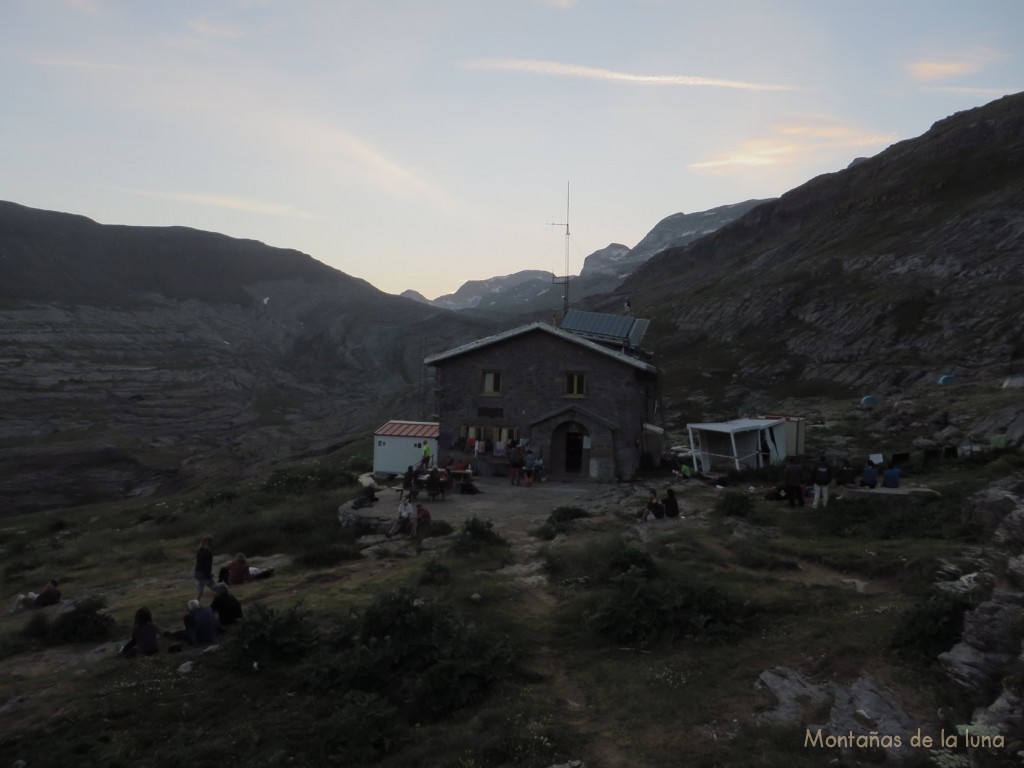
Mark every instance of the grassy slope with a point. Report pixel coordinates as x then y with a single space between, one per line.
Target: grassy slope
573 693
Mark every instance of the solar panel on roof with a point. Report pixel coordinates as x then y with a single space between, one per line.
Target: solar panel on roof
619 328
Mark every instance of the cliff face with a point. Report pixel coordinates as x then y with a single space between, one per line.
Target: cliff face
907 265
135 358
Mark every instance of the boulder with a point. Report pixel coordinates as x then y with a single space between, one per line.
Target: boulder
862 707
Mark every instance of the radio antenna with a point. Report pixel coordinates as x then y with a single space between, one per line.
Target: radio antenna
564 279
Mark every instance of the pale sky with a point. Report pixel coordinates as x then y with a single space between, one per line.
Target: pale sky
423 143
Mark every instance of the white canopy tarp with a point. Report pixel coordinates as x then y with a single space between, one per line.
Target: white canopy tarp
748 443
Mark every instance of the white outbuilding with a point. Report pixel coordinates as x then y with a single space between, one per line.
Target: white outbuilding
749 443
399 444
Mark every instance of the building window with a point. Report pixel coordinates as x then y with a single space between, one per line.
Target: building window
492 383
575 384
484 412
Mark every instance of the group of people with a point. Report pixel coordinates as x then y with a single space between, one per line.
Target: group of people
201 624
660 508
411 518
793 487
524 467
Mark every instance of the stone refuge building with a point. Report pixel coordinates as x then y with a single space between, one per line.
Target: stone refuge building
581 396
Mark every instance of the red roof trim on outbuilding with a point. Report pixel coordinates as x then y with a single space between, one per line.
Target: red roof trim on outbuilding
395 428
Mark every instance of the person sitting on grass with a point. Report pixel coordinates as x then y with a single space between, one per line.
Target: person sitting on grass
420 520
891 477
145 634
404 519
238 570
48 595
225 606
200 625
653 507
870 477
671 504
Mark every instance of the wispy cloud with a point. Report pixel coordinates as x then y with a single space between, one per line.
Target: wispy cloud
82 6
558 69
952 66
220 201
967 90
207 31
936 70
793 142
75 64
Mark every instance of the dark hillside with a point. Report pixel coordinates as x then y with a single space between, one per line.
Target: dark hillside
137 359
899 269
60 257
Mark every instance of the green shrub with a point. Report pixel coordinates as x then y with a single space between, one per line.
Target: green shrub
438 528
559 521
734 504
599 563
324 554
419 655
646 612
476 535
364 728
436 574
930 627
37 627
305 479
85 622
270 636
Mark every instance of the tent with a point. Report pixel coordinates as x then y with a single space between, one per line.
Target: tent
868 400
1016 381
740 443
947 379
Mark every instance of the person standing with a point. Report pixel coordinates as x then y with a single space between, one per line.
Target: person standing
792 480
204 566
822 480
529 465
515 463
425 461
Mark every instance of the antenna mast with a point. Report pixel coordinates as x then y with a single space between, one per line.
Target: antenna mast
564 279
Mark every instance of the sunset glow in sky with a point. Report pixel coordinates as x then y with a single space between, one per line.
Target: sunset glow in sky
423 143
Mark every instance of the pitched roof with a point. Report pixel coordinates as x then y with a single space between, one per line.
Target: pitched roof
736 425
397 428
544 328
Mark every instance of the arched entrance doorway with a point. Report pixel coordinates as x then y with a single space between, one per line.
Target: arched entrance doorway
570 447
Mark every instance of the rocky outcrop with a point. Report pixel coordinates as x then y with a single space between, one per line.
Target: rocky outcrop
856 710
989 645
999 509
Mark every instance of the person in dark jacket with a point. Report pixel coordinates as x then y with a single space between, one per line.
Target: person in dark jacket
792 481
671 504
847 474
204 566
145 634
870 477
225 606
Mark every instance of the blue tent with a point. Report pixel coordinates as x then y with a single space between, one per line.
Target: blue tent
947 379
868 400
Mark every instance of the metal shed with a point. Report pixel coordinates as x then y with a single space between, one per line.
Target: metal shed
740 443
